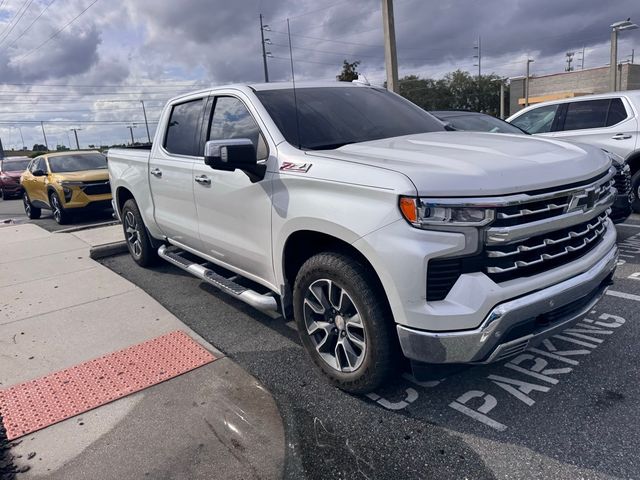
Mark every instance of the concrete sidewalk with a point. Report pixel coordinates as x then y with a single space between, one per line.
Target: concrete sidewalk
59 308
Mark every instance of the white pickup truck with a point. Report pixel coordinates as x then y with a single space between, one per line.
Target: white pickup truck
354 210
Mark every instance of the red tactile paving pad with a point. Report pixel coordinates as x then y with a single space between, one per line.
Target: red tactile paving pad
36 404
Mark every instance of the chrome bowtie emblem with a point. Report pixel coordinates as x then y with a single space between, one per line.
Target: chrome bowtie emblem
583 200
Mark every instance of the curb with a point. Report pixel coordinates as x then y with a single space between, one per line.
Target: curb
8 469
108 250
87 227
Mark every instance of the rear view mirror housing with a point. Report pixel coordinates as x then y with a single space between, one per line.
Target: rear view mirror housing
234 154
38 173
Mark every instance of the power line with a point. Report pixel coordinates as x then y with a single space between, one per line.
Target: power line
146 85
103 122
31 24
5 36
13 18
25 55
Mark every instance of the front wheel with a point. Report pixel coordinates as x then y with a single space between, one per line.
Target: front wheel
635 186
136 235
344 323
33 213
60 215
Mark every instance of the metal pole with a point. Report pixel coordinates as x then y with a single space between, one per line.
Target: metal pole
21 137
613 63
131 127
582 59
145 121
479 59
502 99
526 85
45 136
390 53
75 131
264 52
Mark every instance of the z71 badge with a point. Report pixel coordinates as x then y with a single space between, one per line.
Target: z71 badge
295 167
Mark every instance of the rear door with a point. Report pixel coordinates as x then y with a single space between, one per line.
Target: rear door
234 214
607 123
171 174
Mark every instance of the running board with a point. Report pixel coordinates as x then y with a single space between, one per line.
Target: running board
264 302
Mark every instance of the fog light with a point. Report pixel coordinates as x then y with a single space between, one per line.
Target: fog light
67 194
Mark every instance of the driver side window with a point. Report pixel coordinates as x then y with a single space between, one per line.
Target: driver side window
538 120
231 119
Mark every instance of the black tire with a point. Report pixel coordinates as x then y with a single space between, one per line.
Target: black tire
60 214
136 235
378 358
635 187
33 213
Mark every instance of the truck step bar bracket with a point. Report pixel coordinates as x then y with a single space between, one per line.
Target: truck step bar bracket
262 302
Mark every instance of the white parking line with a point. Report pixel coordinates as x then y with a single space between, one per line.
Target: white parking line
627 225
628 296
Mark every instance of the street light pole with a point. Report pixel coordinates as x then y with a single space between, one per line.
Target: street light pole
613 62
526 84
21 137
501 99
144 111
390 53
131 127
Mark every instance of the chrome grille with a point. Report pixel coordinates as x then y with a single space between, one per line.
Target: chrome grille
622 180
538 250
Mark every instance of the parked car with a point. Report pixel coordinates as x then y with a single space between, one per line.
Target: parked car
10 170
354 211
475 122
66 182
608 120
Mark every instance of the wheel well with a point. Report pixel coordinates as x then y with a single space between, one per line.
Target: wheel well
122 195
634 162
304 244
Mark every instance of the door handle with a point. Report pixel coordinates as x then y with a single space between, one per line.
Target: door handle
621 136
156 172
203 180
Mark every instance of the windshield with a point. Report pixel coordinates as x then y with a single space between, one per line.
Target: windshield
330 117
77 162
15 165
477 123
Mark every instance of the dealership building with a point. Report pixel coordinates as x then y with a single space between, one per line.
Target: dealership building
571 84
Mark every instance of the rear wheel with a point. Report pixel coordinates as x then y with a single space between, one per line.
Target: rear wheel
33 213
344 322
635 186
60 215
136 235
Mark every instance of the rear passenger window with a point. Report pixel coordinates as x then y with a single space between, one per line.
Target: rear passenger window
183 124
617 112
587 114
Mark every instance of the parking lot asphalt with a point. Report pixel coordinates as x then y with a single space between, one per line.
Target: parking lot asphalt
13 209
573 417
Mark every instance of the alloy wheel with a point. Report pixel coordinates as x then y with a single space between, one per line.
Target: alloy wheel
334 325
55 206
133 235
27 204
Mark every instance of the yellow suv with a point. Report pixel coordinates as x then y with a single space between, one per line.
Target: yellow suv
66 181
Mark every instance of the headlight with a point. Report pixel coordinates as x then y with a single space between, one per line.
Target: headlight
68 183
422 213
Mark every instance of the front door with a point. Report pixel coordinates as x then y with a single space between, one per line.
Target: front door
171 174
234 215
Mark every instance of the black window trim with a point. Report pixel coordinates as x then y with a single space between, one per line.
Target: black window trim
565 106
208 119
203 99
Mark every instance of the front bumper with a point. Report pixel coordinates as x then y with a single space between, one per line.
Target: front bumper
11 188
515 325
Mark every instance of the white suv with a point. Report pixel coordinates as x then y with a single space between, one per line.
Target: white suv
608 120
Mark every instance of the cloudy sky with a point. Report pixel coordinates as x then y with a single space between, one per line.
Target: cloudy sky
87 63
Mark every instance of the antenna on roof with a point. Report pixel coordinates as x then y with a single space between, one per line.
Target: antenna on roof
293 78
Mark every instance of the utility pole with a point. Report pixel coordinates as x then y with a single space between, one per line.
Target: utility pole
501 99
146 123
582 59
478 55
633 54
526 83
131 127
264 28
390 53
75 131
21 137
45 136
569 61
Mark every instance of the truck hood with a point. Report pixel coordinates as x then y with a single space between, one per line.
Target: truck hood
475 163
83 176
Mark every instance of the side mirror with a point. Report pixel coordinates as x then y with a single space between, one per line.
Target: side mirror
38 173
232 154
